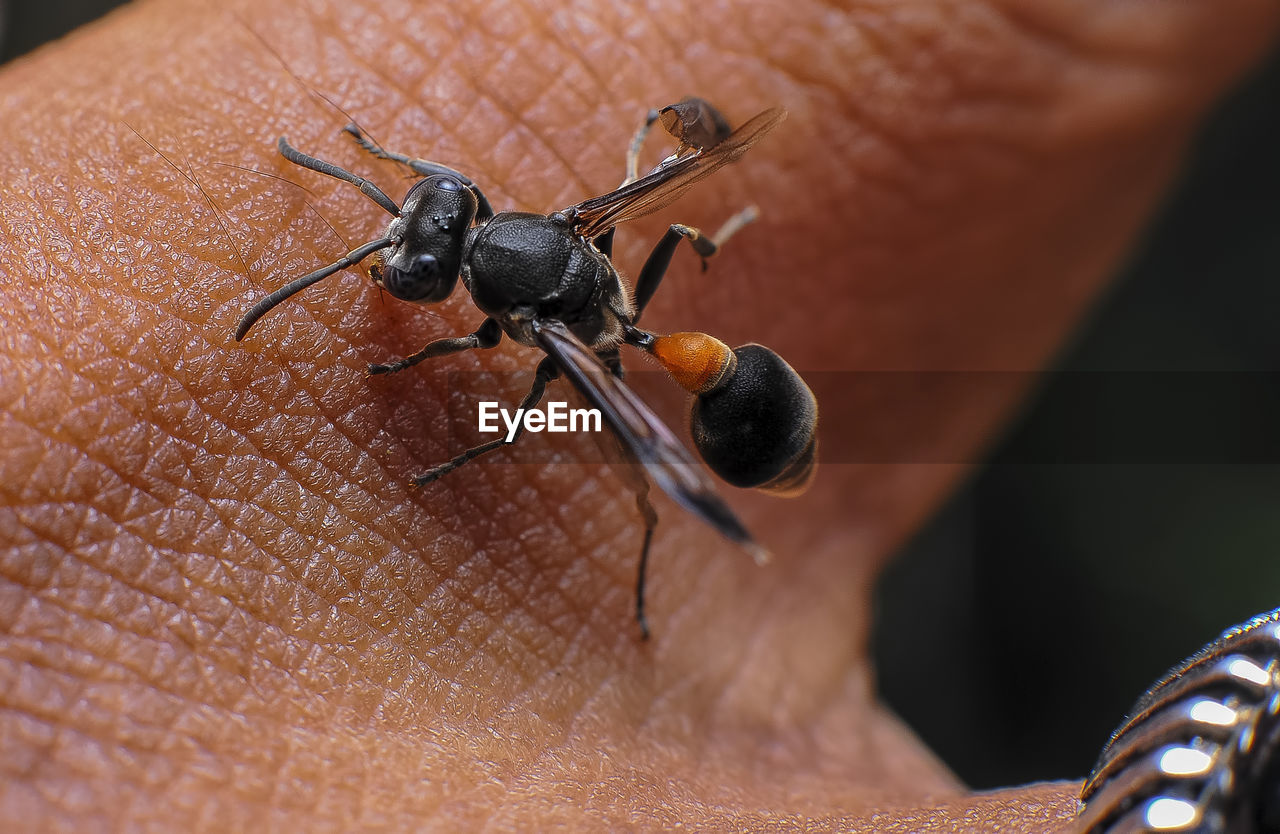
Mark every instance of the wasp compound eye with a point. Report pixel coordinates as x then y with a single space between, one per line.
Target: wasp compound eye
758 427
424 279
1199 750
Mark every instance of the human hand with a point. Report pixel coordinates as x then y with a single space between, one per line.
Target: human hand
223 606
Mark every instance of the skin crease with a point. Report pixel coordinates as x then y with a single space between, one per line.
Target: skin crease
221 606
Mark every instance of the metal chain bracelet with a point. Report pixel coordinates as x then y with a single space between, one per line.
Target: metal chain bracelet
1198 751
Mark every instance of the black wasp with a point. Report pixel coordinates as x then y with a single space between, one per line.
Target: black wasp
546 280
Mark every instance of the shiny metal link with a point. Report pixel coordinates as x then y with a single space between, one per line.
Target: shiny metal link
1198 751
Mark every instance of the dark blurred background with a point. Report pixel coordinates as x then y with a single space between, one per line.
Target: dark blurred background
1083 581
25 25
1024 620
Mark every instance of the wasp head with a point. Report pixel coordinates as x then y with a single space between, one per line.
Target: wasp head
430 234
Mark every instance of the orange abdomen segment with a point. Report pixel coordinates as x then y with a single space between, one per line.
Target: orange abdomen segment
696 361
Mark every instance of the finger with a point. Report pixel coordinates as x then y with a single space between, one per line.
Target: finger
216 555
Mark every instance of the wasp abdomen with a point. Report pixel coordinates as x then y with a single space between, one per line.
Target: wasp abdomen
758 427
696 361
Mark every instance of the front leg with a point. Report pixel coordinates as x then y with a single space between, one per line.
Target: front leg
487 335
545 372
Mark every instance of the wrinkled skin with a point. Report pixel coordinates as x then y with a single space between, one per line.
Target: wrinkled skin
221 606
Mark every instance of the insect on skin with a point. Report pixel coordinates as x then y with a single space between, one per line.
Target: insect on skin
1200 751
547 281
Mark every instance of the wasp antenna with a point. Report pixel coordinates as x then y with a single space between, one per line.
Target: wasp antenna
421 167
367 188
350 259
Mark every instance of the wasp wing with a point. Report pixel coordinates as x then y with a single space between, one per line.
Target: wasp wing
664 184
642 433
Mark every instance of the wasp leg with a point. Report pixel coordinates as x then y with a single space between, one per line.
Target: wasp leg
660 258
604 243
425 167
692 121
637 142
650 517
487 335
367 188
545 372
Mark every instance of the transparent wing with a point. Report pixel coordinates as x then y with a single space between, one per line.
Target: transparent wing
664 184
666 461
